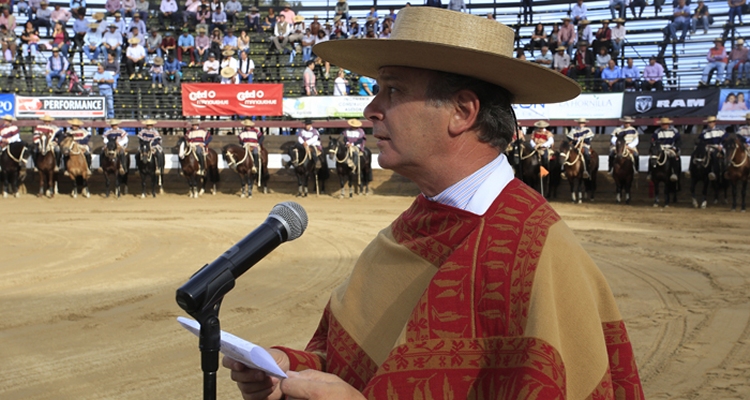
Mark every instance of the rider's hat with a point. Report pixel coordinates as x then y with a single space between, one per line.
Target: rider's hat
195 121
665 121
582 120
247 122
75 122
149 122
354 123
710 119
228 72
47 118
8 118
114 122
627 118
541 124
308 121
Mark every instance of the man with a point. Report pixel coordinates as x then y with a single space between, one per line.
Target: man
229 60
622 5
80 28
578 12
115 134
252 20
43 17
199 139
582 64
232 9
135 33
309 79
288 13
631 76
366 86
629 134
168 10
542 140
681 20
151 134
561 61
141 10
7 19
202 46
641 4
567 35
603 38
135 57
460 297
717 59
57 65
229 76
211 69
60 15
580 138
10 133
219 19
545 58
105 82
744 131
250 139
137 22
618 36
652 75
153 43
735 10
309 137
712 137
82 137
229 41
584 32
120 25
701 17
93 41
281 33
172 73
355 139
53 134
667 137
113 67
113 6
612 78
112 42
737 59
246 68
168 45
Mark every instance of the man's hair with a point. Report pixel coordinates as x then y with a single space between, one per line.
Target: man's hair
309 62
496 121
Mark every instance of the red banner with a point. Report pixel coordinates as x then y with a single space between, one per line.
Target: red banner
212 99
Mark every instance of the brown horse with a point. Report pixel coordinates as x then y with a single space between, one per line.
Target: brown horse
623 171
573 165
75 166
45 163
242 162
737 167
189 165
13 161
109 161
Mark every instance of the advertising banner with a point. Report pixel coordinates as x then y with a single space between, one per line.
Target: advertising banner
213 99
326 106
7 104
733 104
588 105
674 103
61 106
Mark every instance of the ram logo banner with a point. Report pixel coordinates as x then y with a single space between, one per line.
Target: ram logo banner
7 104
211 99
61 106
672 103
643 103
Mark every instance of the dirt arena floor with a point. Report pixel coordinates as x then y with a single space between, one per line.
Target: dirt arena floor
87 287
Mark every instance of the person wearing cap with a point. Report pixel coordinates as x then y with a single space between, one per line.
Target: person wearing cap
168 45
232 8
186 45
199 139
93 43
567 35
252 20
681 20
737 59
57 66
561 60
157 72
744 132
9 133
479 289
119 136
81 136
135 57
583 64
580 138
43 17
700 17
168 9
542 140
281 34
712 136
653 74
629 134
667 137
717 59
112 41
631 76
151 135
578 12
211 69
310 138
251 139
105 82
53 133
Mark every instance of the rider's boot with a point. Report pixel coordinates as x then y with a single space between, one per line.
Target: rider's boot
88 161
160 162
123 163
58 159
586 162
256 162
611 162
202 162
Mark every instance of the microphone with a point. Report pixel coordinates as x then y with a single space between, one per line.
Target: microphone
286 221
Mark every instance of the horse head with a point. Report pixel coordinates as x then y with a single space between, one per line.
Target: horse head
333 145
183 147
621 150
44 144
111 149
144 147
700 153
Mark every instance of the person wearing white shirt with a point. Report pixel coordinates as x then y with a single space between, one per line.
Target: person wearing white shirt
584 32
135 56
545 58
339 84
229 60
112 41
211 69
618 36
168 9
93 40
578 12
246 68
137 22
281 33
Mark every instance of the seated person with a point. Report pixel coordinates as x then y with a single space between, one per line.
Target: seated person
653 75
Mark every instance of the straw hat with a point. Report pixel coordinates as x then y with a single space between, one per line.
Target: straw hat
117 14
134 40
718 40
541 124
98 16
201 30
149 122
561 48
582 120
47 118
158 61
75 122
112 26
353 20
739 41
618 21
665 121
227 53
710 119
565 18
627 118
93 25
336 18
228 72
195 121
114 122
354 123
253 8
55 50
583 43
247 122
459 43
298 18
8 118
584 22
605 21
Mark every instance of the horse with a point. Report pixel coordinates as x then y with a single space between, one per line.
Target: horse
737 165
109 161
45 163
13 172
242 162
147 167
526 164
75 166
357 175
189 166
553 178
304 167
700 170
623 171
572 160
660 170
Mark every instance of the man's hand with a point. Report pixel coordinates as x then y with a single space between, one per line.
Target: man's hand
255 384
316 385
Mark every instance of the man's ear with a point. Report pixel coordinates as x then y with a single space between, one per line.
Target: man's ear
465 109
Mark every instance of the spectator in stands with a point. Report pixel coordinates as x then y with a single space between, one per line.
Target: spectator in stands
386 33
391 14
120 25
612 78
701 17
243 41
681 20
567 35
618 36
309 79
653 75
142 10
153 43
169 10
191 11
457 5
578 12
228 60
603 38
112 41
135 57
553 39
621 5
355 31
367 86
735 10
113 6
186 45
93 41
288 13
631 76
584 33
340 83
172 73
210 69
602 61
246 68
738 60
219 19
281 34
168 45
561 60
342 10
538 39
203 18
29 40
113 66
80 28
7 19
229 40
229 76
298 30
717 59
214 4
60 39
157 73
545 58
217 40
137 22
43 17
136 33
233 8
78 7
252 20
641 4
31 8
582 63
308 40
105 81
60 15
528 14
128 8
8 42
202 44
57 66
270 21
99 21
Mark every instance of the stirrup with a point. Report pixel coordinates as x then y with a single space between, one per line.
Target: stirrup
586 175
255 170
673 178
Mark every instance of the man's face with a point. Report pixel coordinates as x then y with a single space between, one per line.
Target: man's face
611 64
665 126
682 3
652 61
100 69
410 130
544 49
630 62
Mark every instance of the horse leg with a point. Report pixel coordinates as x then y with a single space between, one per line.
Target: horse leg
572 189
618 191
693 184
734 196
86 188
656 193
744 192
581 187
250 181
42 180
628 186
106 184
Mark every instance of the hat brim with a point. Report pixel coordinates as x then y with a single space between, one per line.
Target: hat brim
529 83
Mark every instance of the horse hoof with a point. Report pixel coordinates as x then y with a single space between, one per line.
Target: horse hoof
17 195
242 196
674 178
143 195
656 204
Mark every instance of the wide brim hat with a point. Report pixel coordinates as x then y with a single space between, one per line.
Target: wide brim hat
454 42
710 119
664 121
113 122
158 61
253 8
117 14
739 41
149 122
227 53
55 50
561 48
718 40
308 121
565 18
582 120
228 72
8 118
194 121
98 16
583 43
541 124
583 22
354 123
201 30
353 20
298 18
134 40
111 26
247 122
628 119
618 21
75 122
47 118
605 21
93 25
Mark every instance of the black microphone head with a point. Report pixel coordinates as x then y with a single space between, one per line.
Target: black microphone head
292 216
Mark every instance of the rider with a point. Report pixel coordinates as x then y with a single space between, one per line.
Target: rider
152 135
744 131
542 140
712 137
668 138
53 133
9 133
82 137
629 134
581 139
354 137
200 139
250 139
121 137
309 137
